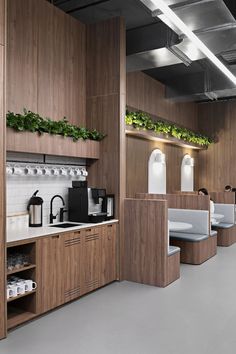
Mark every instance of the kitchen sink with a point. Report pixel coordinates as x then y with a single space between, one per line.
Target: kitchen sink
65 225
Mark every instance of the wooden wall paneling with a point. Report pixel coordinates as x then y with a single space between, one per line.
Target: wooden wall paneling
180 201
138 152
217 167
106 102
146 241
2 174
46 61
223 197
108 254
147 94
22 55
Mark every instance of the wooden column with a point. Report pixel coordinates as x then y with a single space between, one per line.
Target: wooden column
2 172
106 101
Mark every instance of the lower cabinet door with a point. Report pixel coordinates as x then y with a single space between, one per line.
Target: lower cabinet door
72 265
50 268
108 256
91 259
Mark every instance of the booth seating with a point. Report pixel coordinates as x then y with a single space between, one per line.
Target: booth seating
226 228
197 244
148 257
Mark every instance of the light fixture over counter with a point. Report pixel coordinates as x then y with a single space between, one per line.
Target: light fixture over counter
169 17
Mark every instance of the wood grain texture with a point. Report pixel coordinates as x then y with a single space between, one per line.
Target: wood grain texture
173 268
226 237
51 282
146 259
147 94
73 275
138 152
223 197
51 145
46 61
106 102
196 252
180 201
2 175
109 254
216 165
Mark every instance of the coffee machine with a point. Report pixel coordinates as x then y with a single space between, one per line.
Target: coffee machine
89 205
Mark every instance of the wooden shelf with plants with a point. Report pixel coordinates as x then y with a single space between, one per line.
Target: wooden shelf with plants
22 307
30 133
144 126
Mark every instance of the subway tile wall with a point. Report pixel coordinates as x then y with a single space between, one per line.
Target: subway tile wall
21 188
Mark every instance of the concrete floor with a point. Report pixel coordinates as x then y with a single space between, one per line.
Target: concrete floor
195 315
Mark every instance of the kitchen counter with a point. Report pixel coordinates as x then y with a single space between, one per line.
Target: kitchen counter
36 232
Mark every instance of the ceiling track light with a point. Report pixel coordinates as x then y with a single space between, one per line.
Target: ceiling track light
181 26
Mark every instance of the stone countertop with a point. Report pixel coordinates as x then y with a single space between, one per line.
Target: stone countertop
36 232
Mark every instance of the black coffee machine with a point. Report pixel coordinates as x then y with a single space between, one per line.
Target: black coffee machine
89 205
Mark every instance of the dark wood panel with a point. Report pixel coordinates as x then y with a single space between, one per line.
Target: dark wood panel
46 61
216 165
2 175
106 102
108 254
137 155
51 145
22 54
146 259
180 201
61 65
147 94
2 22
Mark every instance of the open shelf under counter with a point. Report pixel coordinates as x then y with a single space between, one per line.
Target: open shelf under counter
21 296
51 145
18 316
150 135
15 271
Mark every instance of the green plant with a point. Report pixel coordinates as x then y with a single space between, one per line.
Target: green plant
140 120
33 122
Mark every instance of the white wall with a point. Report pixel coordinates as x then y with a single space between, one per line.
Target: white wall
157 173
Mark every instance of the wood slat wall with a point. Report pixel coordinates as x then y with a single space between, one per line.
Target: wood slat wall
223 197
217 166
180 201
106 99
2 173
148 95
46 61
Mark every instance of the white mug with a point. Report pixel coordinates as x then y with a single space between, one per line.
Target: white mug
38 171
20 288
18 170
55 171
29 170
71 172
63 171
11 291
29 285
9 170
84 172
77 172
46 171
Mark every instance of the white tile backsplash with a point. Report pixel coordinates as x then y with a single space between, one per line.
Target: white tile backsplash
21 188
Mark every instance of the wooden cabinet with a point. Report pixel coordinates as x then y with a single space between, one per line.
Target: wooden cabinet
72 259
91 259
51 281
108 255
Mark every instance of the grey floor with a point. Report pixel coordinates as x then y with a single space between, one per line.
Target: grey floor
195 315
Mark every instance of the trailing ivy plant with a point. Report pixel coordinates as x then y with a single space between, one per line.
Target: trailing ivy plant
33 122
141 120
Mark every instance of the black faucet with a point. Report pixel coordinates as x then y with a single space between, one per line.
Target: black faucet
62 210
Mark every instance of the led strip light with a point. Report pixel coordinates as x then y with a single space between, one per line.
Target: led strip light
176 21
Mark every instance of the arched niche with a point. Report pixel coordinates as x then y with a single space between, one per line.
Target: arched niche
187 174
157 172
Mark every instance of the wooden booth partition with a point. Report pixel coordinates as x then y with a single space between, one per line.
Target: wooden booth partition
146 243
223 197
180 201
106 100
2 173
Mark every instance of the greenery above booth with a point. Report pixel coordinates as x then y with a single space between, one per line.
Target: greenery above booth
143 121
32 122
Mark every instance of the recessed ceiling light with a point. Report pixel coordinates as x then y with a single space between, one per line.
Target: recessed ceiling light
180 25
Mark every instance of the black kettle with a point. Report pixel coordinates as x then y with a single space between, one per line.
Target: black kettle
35 208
